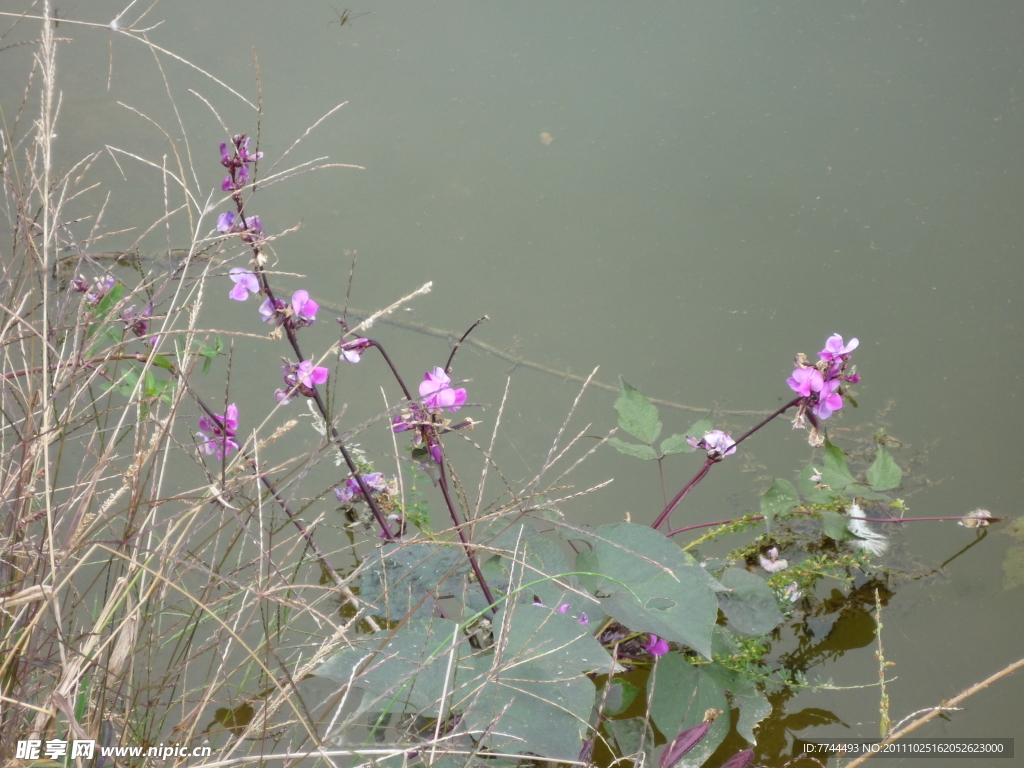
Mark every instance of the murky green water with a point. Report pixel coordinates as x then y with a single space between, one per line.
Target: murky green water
686 194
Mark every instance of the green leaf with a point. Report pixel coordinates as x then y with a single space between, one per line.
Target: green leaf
629 735
644 452
666 592
884 474
752 703
835 525
810 493
637 415
410 664
680 693
750 605
675 444
162 362
620 695
398 577
700 427
778 500
836 475
534 697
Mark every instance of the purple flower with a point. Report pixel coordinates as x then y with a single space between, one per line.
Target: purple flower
717 443
309 375
437 394
80 284
137 323
229 223
237 162
101 287
269 311
829 401
584 620
245 282
345 492
351 350
222 429
304 309
282 396
804 381
770 561
656 646
564 608
226 222
835 350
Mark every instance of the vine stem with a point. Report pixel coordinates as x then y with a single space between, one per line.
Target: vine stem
678 498
754 518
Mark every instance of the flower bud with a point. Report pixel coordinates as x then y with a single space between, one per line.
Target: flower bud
682 744
740 759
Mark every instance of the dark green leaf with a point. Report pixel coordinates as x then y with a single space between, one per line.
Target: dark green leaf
836 475
620 695
680 693
534 697
644 452
778 500
665 592
752 703
630 736
410 665
637 415
884 474
750 606
398 578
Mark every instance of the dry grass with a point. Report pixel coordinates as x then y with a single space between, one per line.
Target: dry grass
147 597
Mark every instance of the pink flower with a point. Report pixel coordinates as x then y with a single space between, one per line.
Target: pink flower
835 350
770 561
437 394
309 375
222 429
829 401
656 646
245 282
716 441
304 309
805 380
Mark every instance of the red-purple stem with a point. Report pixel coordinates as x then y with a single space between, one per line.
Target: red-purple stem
677 500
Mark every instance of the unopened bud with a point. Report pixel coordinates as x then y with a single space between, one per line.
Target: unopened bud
740 759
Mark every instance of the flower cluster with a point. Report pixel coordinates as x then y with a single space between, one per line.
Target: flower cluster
137 322
300 378
819 385
222 431
299 314
437 393
237 162
251 228
375 481
717 443
101 287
